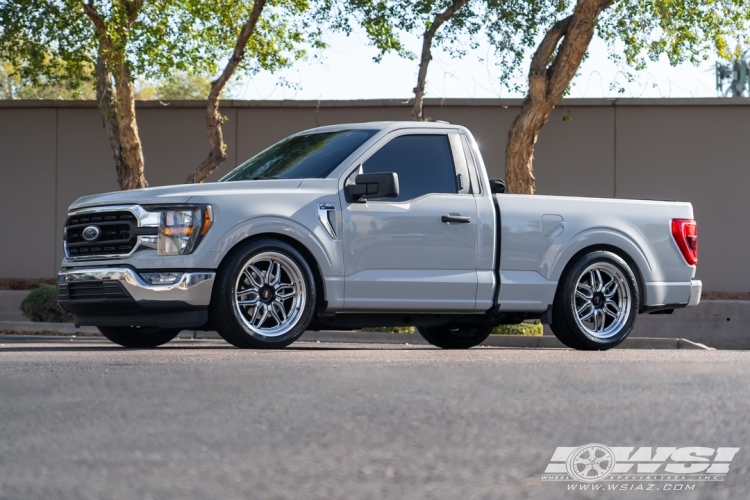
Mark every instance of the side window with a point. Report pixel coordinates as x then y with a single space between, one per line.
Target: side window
424 164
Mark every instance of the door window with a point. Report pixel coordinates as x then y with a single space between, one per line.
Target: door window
424 165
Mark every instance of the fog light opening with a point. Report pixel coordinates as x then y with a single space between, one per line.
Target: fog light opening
162 278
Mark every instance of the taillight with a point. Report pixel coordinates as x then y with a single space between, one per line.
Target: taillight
685 234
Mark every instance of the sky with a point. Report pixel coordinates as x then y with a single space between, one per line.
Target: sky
346 71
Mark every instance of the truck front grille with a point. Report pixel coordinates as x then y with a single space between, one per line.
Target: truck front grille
115 234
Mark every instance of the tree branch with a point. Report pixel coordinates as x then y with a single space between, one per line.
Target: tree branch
418 112
96 19
214 120
548 45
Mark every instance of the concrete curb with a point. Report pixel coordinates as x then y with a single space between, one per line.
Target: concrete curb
512 341
49 328
359 337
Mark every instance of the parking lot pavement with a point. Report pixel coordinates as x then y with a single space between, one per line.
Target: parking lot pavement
81 418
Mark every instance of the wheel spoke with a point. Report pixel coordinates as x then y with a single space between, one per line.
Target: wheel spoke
596 320
272 277
249 302
611 288
279 306
275 316
599 281
602 319
583 287
588 315
263 317
255 315
285 295
612 309
585 306
249 274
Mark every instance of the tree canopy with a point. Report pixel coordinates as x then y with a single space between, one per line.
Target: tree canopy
53 41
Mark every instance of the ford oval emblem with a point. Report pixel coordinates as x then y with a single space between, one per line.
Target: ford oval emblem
91 233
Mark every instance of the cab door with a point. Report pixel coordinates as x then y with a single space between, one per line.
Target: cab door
418 251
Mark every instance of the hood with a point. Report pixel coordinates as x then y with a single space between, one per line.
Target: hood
182 193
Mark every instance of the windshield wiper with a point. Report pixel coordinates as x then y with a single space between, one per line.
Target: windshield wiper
263 178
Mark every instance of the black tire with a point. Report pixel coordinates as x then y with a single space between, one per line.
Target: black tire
138 336
570 327
447 337
228 316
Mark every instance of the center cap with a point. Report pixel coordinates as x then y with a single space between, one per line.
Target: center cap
266 294
598 300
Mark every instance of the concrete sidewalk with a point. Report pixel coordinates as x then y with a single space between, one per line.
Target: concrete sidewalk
356 336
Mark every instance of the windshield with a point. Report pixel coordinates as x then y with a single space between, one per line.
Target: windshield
301 157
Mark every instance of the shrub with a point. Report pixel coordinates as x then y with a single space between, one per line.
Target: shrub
528 329
391 329
41 305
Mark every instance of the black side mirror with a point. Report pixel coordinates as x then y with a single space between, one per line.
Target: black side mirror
497 186
371 186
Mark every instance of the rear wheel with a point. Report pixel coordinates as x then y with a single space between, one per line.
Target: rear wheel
447 337
597 302
265 296
138 336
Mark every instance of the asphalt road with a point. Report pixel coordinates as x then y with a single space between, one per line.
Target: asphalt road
83 419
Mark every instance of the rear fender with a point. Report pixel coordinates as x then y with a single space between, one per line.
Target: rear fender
638 252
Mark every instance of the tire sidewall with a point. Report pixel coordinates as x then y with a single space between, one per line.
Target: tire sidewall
568 293
227 313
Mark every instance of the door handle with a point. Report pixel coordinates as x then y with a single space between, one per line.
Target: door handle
456 218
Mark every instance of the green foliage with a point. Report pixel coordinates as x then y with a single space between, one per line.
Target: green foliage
635 30
390 329
53 42
12 86
527 329
41 305
510 26
682 30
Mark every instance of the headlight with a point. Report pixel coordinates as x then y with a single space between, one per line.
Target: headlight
180 229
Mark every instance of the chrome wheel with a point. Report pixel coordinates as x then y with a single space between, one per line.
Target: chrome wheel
602 301
269 294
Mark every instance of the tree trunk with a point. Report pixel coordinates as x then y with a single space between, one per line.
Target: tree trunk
417 112
117 102
568 40
130 143
214 120
105 96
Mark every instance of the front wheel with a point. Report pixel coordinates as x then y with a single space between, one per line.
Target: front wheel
264 296
447 337
138 336
596 304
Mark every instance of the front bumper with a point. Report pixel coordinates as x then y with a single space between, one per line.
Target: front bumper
109 296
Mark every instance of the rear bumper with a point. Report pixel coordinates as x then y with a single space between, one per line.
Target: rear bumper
696 287
673 291
121 297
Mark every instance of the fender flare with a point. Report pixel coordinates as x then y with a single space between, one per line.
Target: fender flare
639 254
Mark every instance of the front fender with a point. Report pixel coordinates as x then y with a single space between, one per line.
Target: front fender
327 252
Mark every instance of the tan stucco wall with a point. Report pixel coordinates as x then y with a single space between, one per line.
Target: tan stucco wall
694 150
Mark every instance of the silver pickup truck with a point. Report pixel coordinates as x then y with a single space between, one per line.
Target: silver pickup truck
372 224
